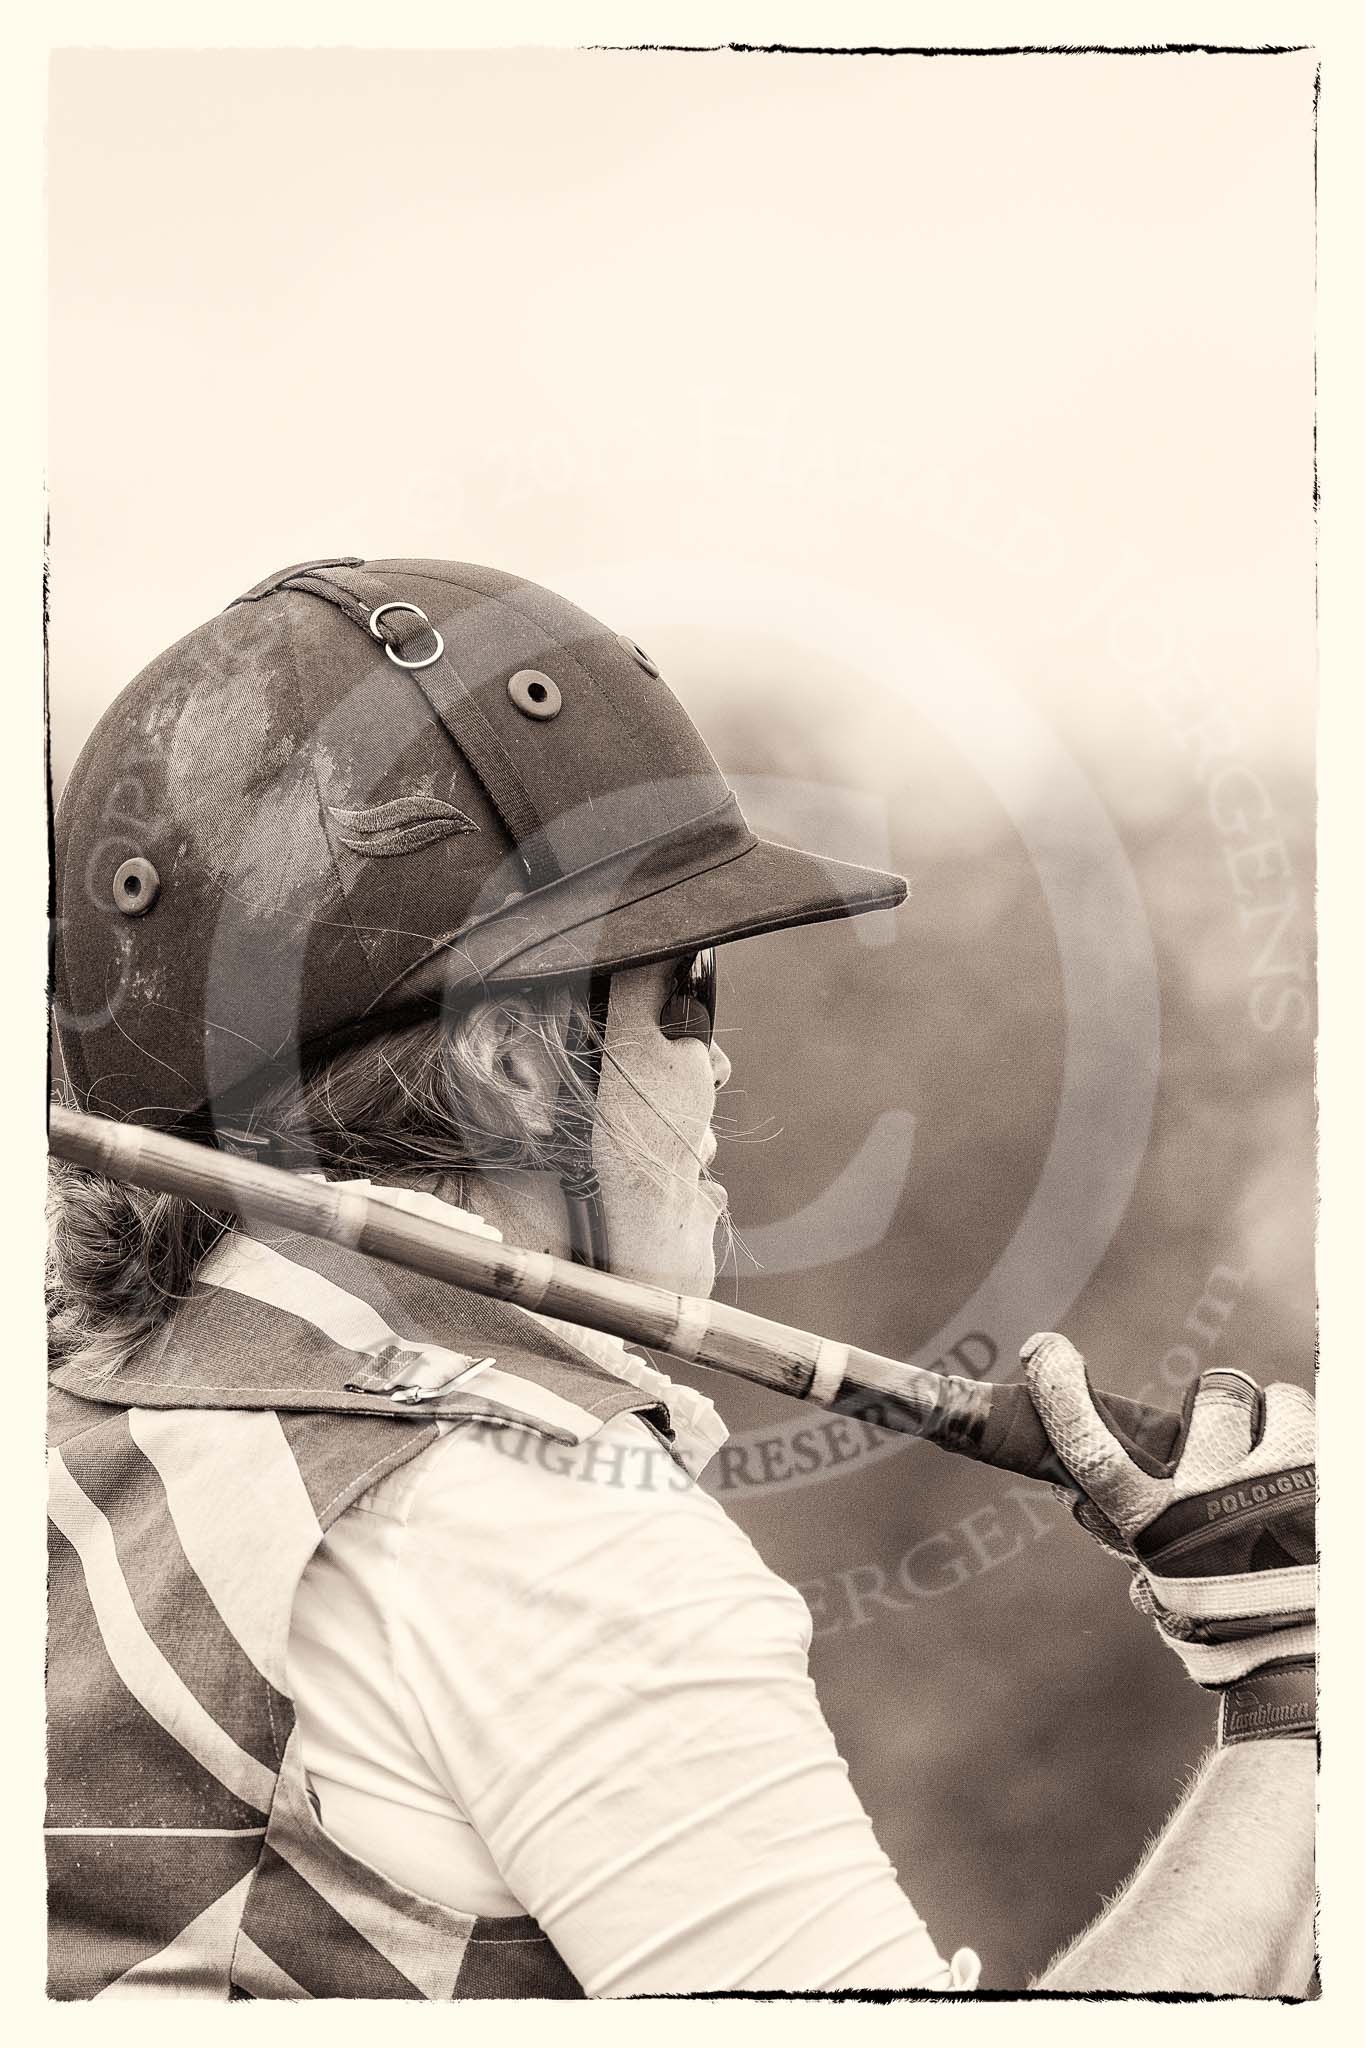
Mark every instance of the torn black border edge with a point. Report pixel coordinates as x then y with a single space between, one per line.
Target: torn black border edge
972 50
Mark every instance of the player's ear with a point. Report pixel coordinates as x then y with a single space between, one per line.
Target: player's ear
509 1044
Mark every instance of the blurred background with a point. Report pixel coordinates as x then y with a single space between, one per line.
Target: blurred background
944 430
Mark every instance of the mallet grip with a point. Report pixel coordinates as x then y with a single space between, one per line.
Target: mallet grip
1014 1438
994 1424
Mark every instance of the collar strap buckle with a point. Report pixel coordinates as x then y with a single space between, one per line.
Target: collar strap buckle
421 1378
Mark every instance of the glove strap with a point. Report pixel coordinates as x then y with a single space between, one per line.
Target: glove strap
1278 1700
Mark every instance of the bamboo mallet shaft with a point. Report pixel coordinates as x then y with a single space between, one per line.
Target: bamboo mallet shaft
995 1424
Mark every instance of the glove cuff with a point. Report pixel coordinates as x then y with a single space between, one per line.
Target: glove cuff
1279 1700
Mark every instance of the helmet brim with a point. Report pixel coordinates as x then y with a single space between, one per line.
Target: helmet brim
770 888
763 887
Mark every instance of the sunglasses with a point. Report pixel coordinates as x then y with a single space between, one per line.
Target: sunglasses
689 1009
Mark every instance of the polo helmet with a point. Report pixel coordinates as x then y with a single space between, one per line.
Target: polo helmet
368 789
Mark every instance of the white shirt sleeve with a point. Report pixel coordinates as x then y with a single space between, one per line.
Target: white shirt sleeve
607 1682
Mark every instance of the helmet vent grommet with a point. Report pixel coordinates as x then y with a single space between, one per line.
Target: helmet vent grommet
136 887
535 694
637 654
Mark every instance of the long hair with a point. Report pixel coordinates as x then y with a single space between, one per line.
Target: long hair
405 1105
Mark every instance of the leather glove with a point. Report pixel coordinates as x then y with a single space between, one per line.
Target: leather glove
1220 1539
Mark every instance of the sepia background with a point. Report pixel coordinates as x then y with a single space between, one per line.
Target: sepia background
943 428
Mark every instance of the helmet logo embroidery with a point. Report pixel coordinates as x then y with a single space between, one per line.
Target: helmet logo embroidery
399 826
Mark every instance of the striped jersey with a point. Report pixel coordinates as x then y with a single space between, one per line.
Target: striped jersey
188 1492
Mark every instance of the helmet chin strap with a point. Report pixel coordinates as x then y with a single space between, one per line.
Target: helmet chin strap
578 1177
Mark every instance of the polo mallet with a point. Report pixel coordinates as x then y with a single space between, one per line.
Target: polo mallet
994 1424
